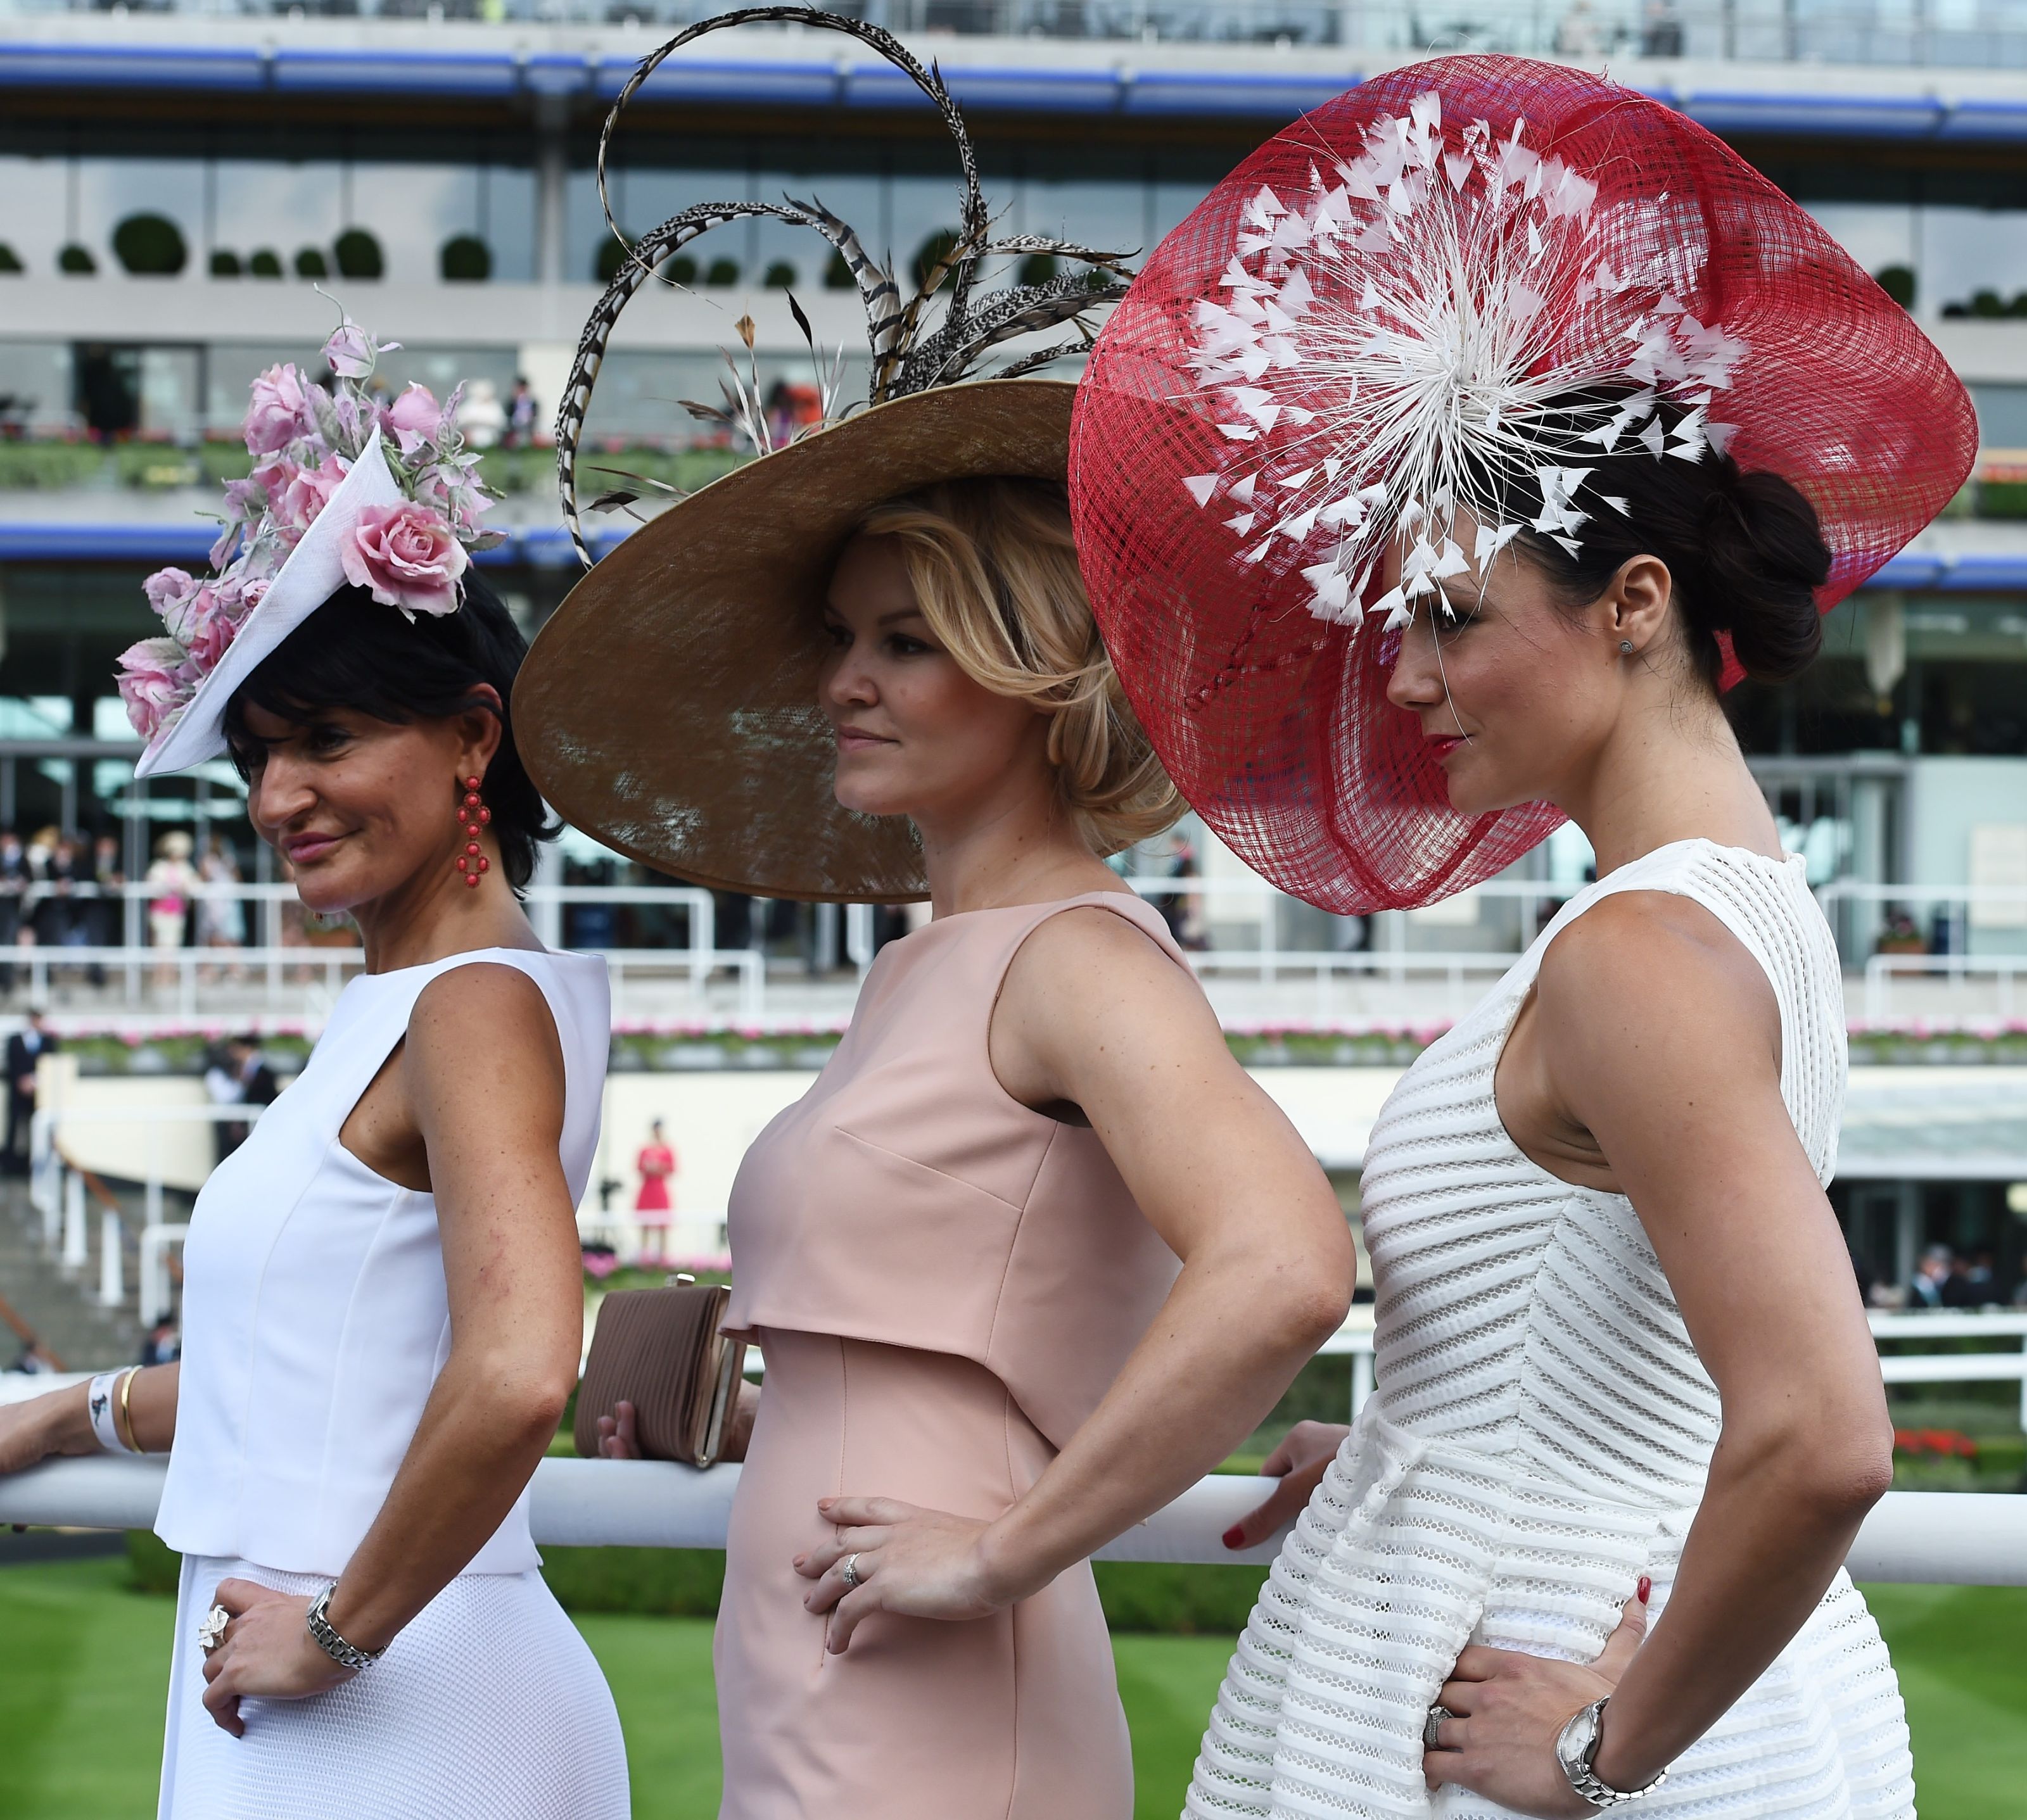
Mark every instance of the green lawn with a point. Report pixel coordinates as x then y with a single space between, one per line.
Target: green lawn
83 1662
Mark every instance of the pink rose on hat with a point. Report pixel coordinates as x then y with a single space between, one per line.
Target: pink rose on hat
408 556
153 683
299 494
280 412
167 589
415 418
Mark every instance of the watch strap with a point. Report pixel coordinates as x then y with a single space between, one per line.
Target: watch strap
345 1655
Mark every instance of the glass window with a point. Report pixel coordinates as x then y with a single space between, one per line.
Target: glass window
270 206
37 220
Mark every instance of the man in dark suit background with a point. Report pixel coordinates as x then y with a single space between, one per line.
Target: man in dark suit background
25 1049
256 1086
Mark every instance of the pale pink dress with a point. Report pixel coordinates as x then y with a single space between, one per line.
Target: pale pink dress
944 1283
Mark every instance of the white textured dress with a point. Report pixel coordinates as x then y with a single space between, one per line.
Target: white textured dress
1537 1440
315 1321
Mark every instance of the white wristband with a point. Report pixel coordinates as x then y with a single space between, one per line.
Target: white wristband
103 1397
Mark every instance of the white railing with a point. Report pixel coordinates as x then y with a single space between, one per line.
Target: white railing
56 1193
1880 969
1941 1538
1356 1339
304 979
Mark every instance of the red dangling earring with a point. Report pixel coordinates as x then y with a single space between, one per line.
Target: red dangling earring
472 814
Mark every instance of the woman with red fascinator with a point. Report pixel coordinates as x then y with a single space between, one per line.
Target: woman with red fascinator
1431 482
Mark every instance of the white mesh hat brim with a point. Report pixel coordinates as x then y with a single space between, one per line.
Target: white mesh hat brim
314 572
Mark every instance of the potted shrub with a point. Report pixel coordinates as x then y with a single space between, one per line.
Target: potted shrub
611 255
723 273
466 259
150 246
310 263
10 261
781 276
358 255
266 263
1897 282
76 261
225 263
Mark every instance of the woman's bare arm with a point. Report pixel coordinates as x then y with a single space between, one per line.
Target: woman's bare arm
1658 1035
481 1078
484 1078
59 1423
1095 1016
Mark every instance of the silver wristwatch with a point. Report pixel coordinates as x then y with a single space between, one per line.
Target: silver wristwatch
345 1655
1576 1744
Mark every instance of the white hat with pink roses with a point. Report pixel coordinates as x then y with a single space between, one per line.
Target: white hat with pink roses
346 491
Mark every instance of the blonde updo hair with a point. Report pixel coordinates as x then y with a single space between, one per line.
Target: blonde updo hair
995 571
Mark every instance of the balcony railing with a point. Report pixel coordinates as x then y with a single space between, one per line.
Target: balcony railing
1442 957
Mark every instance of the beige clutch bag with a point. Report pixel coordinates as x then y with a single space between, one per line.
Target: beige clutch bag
660 1351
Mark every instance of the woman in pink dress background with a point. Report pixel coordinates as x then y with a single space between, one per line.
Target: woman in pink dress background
654 1206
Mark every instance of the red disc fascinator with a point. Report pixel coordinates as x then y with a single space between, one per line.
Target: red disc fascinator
1361 337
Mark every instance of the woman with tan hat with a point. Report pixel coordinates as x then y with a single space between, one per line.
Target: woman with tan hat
1033 1253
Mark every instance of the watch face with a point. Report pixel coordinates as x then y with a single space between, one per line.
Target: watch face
1579 1736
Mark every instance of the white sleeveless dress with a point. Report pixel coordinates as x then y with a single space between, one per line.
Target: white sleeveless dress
1538 1439
315 1322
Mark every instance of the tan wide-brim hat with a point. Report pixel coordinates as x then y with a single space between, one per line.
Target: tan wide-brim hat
669 707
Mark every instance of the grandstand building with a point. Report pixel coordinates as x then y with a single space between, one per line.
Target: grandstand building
184 190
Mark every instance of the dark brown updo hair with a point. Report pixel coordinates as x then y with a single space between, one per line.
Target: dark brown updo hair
1745 551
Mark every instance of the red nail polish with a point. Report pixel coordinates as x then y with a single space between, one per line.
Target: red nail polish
1640 1592
1235 1536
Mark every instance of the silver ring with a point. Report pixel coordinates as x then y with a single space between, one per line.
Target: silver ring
849 1573
210 1632
1437 1715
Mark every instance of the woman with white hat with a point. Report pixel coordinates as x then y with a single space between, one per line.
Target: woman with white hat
382 1300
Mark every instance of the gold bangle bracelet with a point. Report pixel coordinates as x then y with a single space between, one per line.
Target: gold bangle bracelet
122 1415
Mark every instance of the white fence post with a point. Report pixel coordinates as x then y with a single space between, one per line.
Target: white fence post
73 1227
112 1260
156 1301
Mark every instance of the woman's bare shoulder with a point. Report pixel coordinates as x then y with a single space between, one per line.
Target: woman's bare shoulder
1641 966
485 1018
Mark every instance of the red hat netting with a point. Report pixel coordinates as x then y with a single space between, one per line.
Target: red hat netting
1404 290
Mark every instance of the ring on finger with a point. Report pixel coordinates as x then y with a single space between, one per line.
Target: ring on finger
1432 1724
849 1573
210 1632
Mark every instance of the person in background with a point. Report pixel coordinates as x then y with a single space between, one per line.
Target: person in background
173 881
163 1344
521 415
56 918
13 883
653 1207
1932 1275
35 1359
1972 1283
25 1049
1661 30
252 1078
221 920
109 876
